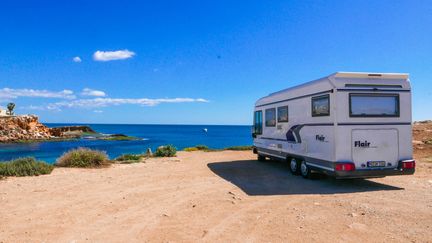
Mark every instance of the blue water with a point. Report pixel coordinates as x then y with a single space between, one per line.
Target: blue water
151 136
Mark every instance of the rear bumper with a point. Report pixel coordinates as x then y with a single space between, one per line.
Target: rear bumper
371 173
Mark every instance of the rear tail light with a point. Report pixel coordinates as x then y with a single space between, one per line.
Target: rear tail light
345 167
408 164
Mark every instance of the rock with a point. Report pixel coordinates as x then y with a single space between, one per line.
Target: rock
118 135
72 131
28 127
149 152
25 127
358 226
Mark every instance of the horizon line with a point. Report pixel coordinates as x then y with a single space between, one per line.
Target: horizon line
153 124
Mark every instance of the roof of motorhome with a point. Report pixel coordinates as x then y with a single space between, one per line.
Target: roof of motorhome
370 75
360 75
350 75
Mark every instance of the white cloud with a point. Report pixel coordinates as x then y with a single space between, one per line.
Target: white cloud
76 59
7 93
97 111
105 102
104 56
93 92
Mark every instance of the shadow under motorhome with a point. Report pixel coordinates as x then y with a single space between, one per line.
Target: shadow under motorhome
347 125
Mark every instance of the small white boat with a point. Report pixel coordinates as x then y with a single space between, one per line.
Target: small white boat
205 130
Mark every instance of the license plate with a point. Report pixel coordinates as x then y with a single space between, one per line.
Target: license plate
376 163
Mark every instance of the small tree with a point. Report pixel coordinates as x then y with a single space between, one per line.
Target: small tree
11 107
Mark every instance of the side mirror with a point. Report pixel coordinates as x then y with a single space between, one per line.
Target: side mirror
254 135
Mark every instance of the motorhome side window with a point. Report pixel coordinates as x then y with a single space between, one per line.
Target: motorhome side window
258 122
321 105
270 117
282 114
374 105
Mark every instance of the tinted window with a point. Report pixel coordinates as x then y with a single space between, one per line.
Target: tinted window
375 105
270 117
258 122
282 114
321 105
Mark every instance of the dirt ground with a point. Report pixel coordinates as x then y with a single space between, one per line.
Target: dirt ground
213 196
422 140
218 196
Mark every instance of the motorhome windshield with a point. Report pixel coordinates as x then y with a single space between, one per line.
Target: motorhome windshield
374 105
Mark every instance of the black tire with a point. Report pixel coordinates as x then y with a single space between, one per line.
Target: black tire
261 157
305 170
294 166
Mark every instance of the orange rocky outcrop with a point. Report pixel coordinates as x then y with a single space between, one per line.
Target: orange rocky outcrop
28 128
25 127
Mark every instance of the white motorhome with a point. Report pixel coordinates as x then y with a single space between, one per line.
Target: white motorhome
347 125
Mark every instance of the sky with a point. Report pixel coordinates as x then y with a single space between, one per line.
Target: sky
198 62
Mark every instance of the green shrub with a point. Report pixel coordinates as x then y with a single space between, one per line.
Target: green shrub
83 157
119 138
196 148
190 149
202 147
130 158
238 148
24 167
165 151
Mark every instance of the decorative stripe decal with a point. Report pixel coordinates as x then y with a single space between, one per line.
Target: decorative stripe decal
318 124
374 124
277 139
293 134
274 155
319 163
320 166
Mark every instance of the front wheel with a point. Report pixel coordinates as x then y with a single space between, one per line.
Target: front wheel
305 169
294 166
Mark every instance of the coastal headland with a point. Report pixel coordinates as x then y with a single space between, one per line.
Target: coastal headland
27 128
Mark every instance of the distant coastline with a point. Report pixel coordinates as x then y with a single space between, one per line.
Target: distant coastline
28 129
146 136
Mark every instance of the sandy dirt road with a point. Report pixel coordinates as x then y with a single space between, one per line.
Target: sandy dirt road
216 196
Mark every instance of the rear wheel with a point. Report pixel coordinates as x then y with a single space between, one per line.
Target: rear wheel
305 169
294 166
261 157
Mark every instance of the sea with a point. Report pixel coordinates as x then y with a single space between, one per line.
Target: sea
149 136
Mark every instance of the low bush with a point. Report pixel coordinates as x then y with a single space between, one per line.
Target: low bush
119 138
196 148
130 158
190 149
24 167
165 151
83 157
238 148
125 157
202 147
